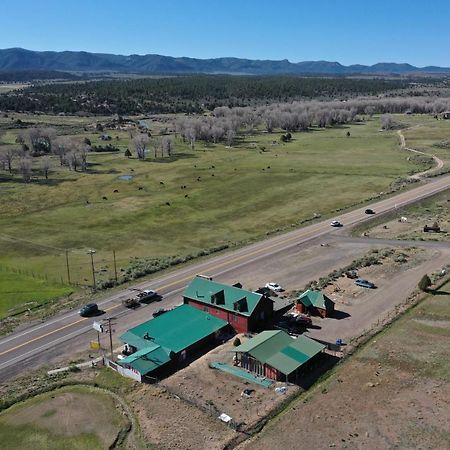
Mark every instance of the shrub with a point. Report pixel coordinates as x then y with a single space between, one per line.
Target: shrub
236 342
424 283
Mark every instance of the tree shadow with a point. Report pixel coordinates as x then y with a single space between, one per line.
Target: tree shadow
440 292
173 158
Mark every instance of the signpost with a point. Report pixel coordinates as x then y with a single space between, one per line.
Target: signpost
105 327
98 327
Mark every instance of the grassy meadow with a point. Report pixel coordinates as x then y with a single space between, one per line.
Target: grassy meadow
425 132
231 195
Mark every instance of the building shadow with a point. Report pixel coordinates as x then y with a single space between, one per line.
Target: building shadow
311 373
339 315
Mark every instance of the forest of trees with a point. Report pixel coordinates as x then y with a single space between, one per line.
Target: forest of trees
187 94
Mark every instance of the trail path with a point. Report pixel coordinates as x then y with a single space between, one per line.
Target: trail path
418 176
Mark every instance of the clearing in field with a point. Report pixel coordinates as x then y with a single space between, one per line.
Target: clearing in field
68 418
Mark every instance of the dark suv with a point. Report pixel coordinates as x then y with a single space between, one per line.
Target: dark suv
91 309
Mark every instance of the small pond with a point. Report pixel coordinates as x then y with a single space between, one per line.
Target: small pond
126 177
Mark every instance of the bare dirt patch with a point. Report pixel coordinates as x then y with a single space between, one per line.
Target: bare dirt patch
170 422
219 392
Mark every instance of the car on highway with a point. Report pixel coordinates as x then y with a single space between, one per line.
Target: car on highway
147 296
336 223
364 283
274 287
91 309
369 211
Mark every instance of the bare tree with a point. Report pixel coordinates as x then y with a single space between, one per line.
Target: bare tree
167 145
140 144
25 168
387 122
73 160
230 137
46 165
192 136
7 155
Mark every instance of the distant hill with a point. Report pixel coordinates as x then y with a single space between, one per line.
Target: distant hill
18 59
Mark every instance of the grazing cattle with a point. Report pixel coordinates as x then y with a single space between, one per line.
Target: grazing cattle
268 167
186 196
213 167
116 191
105 198
131 170
212 174
198 179
167 203
140 188
161 182
87 202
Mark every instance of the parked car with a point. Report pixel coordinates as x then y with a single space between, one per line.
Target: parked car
369 211
159 312
301 319
274 287
336 223
91 309
365 283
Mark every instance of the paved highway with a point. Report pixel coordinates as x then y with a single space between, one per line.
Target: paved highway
35 345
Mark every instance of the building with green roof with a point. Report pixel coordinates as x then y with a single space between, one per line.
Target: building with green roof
170 338
243 310
315 302
276 355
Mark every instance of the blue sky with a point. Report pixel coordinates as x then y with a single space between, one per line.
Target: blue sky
347 31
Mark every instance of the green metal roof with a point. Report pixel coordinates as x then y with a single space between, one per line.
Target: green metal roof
280 351
174 330
147 359
227 297
316 299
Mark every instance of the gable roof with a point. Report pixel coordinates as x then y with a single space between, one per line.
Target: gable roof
316 299
280 351
174 330
230 298
147 359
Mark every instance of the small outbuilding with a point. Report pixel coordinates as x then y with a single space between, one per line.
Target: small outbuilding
244 310
315 303
278 356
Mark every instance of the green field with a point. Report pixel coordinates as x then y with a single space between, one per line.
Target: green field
75 418
233 195
18 292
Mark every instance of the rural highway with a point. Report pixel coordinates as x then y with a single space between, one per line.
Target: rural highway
67 334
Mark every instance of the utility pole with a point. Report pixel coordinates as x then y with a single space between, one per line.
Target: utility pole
67 265
110 324
91 252
115 265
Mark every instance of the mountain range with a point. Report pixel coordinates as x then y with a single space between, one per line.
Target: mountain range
80 61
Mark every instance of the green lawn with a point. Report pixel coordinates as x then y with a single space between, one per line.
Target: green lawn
248 193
